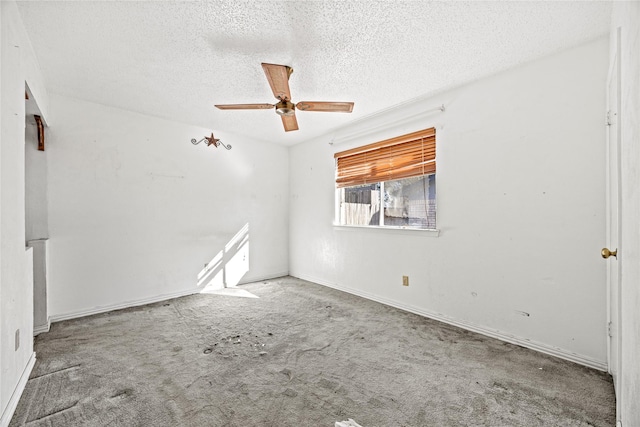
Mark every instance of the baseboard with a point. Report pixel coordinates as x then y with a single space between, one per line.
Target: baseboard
37 330
493 333
144 301
7 414
261 278
120 306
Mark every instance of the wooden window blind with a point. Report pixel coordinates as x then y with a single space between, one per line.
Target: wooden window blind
404 156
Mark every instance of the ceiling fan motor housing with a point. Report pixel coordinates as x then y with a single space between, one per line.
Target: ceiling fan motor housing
285 108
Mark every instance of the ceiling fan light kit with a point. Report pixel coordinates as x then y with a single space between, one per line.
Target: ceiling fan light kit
285 108
278 78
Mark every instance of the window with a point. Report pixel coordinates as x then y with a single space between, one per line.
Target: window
389 183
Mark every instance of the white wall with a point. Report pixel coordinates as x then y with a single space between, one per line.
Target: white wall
37 217
520 192
135 210
18 65
37 222
627 16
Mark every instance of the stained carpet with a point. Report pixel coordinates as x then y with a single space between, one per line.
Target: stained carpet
298 355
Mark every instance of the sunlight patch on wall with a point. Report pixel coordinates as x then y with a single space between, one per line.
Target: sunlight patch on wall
227 268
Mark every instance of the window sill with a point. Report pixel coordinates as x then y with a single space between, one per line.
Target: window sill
401 230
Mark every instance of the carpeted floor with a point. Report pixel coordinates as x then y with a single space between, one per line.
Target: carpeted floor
299 355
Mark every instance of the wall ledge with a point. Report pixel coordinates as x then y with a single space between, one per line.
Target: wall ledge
7 414
493 333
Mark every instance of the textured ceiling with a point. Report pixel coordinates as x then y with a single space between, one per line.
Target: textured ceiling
177 59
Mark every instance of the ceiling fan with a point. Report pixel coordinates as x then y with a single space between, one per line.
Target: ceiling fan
278 77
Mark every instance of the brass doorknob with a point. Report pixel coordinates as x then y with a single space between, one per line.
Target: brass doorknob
606 253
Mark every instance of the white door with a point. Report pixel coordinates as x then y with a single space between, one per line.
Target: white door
612 251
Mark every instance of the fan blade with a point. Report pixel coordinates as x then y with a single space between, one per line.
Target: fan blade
331 107
290 123
278 77
245 106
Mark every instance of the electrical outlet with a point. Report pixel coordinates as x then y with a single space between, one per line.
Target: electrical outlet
405 280
17 339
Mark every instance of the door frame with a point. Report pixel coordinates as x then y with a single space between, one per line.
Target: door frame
613 219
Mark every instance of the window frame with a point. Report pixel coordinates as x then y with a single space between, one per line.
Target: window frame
403 139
